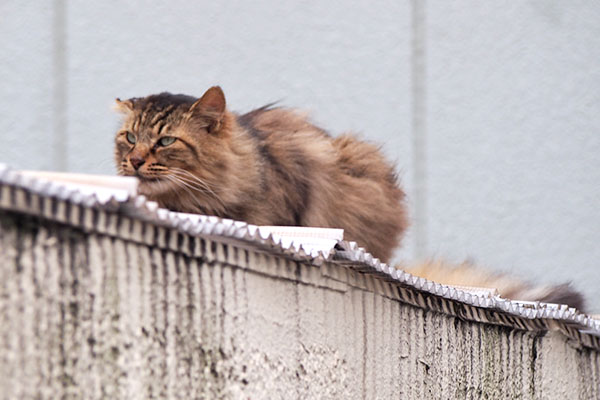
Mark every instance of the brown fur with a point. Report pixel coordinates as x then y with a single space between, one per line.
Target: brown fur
469 275
268 167
273 167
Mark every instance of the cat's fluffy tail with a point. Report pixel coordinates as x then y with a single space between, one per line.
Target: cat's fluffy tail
467 274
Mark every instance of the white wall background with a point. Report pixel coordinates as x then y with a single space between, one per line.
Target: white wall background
490 109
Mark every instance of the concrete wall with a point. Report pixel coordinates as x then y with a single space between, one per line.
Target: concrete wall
491 109
91 315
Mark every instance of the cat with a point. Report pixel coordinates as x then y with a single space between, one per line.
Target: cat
267 167
272 166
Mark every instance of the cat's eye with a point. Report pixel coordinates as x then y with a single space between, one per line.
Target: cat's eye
167 140
131 138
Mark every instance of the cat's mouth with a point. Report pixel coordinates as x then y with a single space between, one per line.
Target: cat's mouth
149 186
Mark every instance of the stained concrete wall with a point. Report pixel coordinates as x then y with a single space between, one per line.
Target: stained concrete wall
90 315
491 109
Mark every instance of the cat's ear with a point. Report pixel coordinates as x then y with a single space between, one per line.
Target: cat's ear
123 106
211 106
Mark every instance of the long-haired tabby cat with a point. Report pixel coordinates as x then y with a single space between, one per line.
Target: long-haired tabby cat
272 166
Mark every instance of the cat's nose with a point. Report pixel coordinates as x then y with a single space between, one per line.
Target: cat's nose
137 162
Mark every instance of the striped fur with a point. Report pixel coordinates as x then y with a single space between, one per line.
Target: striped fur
470 275
267 167
272 166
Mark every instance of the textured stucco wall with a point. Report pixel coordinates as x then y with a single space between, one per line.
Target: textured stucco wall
96 316
491 109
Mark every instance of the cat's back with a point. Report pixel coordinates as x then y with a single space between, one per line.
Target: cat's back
277 124
340 182
291 129
292 145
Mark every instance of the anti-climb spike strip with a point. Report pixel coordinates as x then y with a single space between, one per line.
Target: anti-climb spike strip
140 208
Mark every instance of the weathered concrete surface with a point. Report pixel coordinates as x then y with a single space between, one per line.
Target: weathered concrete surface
85 315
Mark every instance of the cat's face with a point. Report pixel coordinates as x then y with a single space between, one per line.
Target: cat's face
170 143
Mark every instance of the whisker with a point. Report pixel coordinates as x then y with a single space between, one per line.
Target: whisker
190 175
191 178
192 186
187 188
105 162
185 183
